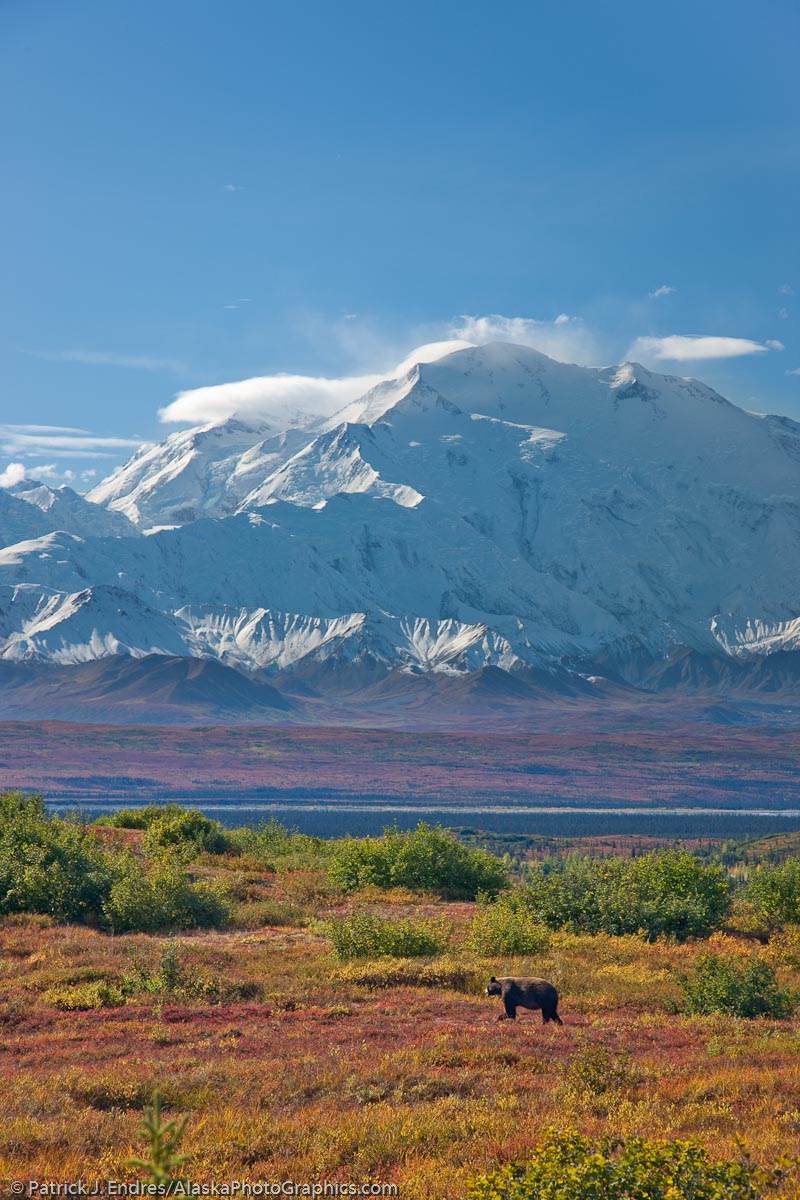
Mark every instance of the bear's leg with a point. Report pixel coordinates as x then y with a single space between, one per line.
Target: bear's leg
511 1011
550 1014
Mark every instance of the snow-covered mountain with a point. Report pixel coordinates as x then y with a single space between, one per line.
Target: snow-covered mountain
494 508
186 476
31 509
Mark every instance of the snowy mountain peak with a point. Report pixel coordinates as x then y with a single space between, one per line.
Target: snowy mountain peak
489 507
31 509
182 477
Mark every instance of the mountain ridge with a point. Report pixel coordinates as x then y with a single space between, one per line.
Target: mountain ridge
488 509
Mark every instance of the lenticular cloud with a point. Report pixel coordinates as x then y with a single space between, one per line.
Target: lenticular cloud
290 399
692 348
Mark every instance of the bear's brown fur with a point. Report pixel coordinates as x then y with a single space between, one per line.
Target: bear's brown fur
525 993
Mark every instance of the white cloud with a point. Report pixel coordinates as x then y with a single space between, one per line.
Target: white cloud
51 473
783 313
680 347
430 352
566 338
14 473
28 441
786 289
281 398
664 290
289 399
42 429
795 371
774 344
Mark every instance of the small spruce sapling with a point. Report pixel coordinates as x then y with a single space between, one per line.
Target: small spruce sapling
163 1138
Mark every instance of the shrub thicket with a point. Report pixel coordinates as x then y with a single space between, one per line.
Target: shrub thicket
774 893
366 935
427 859
454 973
186 832
164 897
738 986
59 867
663 894
139 818
507 926
272 844
567 1166
168 826
76 997
48 864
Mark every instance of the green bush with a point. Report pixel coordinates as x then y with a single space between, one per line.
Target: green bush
272 844
171 976
163 898
567 1166
58 867
139 818
738 986
261 914
85 996
427 859
445 972
564 894
364 935
186 831
774 893
663 894
593 1071
49 864
504 926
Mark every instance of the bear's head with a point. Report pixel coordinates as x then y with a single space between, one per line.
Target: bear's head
493 988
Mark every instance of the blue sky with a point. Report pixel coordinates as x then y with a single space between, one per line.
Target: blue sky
199 192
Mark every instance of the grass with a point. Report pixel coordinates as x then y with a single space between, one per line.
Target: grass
384 1070
294 1064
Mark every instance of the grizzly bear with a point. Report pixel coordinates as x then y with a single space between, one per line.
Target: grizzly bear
525 993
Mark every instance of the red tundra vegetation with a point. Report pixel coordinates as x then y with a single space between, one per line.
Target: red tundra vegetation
295 1063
